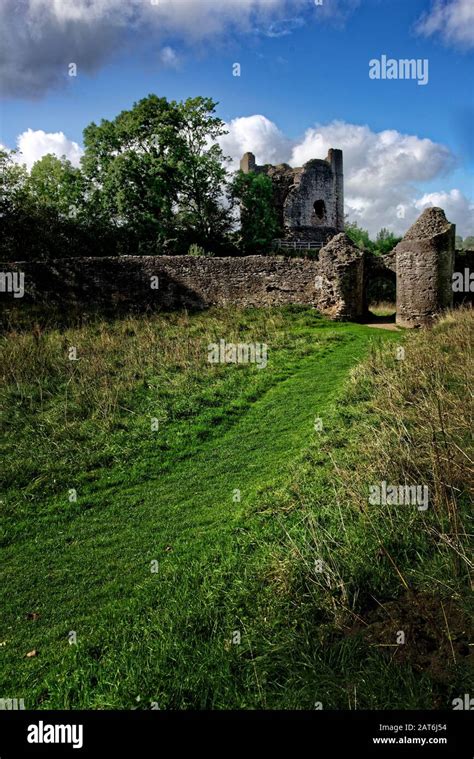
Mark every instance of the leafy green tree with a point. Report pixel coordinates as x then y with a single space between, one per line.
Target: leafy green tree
54 183
132 167
13 183
16 208
359 236
202 211
259 225
38 218
157 170
153 178
385 241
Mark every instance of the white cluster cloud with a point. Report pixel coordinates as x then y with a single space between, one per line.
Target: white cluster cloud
456 205
34 144
39 38
258 135
453 20
382 170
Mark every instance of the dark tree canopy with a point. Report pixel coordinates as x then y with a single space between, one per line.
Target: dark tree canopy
258 217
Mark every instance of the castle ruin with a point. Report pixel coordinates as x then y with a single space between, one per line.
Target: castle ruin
309 201
309 204
335 281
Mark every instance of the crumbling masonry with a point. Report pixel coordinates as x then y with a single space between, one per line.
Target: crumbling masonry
309 201
335 282
309 205
424 267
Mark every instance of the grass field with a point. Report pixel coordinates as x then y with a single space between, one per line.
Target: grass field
383 309
162 516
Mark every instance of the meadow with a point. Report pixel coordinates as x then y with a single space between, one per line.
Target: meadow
181 534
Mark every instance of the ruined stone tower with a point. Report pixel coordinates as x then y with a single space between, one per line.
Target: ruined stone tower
309 201
424 265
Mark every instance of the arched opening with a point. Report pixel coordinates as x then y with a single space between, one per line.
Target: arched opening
319 207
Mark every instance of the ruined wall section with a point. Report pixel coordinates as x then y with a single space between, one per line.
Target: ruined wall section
312 183
425 265
282 177
309 201
343 268
168 282
335 158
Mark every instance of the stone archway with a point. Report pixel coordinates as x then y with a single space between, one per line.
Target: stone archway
381 294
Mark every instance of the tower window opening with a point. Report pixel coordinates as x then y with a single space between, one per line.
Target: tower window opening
320 211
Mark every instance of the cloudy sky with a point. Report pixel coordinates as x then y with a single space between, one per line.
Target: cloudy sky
304 86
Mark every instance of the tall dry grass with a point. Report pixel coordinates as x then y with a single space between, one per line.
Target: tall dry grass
406 421
114 357
419 431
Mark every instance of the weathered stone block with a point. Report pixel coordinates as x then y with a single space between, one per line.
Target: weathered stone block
425 264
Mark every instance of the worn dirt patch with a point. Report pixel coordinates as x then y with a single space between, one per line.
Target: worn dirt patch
388 325
437 634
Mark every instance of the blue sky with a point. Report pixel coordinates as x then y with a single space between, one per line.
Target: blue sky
301 65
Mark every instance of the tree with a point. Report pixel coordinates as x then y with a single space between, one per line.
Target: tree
259 225
54 183
202 213
42 214
151 179
132 168
15 207
359 236
13 183
385 241
157 170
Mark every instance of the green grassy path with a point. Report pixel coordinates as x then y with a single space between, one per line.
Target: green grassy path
163 635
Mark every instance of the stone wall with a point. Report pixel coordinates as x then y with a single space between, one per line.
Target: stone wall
333 284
